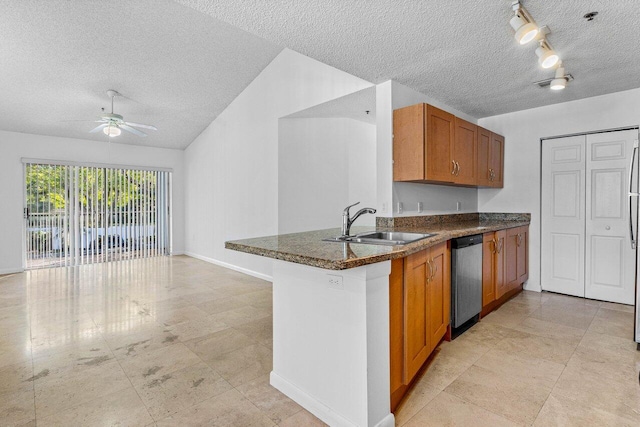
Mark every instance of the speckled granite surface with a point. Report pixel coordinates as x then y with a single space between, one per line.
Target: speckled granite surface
308 248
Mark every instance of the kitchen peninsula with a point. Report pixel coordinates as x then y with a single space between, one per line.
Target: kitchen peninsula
331 311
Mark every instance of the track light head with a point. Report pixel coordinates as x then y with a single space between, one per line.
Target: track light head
525 30
547 57
560 80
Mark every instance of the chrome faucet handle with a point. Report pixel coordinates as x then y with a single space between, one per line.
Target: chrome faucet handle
346 210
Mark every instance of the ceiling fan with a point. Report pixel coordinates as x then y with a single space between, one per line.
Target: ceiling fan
113 124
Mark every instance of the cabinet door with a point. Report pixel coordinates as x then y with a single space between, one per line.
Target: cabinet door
511 255
496 160
409 143
522 267
396 324
465 152
484 143
439 296
488 269
416 328
500 261
440 131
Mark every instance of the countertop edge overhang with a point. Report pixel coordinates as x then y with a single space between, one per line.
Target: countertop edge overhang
307 248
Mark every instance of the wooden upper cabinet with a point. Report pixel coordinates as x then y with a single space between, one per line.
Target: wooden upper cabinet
440 127
484 143
433 146
490 158
416 327
409 143
496 160
422 141
464 153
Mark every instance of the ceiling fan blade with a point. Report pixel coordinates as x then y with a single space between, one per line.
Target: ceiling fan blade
141 126
99 128
132 130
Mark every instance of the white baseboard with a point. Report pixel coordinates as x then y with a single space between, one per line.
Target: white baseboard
10 270
309 403
317 408
230 266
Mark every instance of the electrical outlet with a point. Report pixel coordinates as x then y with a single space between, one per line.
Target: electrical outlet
458 206
335 282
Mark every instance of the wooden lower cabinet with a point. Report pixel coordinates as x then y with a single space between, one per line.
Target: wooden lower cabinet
517 271
505 265
493 261
419 312
420 298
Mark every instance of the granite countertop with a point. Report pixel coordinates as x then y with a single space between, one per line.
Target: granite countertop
308 247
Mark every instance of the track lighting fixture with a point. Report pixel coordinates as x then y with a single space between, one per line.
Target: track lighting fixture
560 81
527 30
524 26
547 57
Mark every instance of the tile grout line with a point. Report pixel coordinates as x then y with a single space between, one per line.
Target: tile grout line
123 371
565 367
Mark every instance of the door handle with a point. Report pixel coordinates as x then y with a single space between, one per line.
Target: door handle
632 234
631 163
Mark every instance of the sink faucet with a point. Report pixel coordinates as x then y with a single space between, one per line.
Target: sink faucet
347 221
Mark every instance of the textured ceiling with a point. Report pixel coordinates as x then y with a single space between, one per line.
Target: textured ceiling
178 67
460 52
359 106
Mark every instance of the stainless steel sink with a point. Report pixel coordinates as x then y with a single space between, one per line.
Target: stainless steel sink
382 238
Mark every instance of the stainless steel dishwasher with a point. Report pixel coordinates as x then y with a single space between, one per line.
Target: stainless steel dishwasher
466 282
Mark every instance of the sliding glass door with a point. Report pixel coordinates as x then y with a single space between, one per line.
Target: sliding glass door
78 215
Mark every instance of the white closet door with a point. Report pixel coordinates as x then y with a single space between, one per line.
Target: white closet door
610 260
563 215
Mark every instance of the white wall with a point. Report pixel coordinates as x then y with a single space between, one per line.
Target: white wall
324 164
232 167
523 130
14 146
436 199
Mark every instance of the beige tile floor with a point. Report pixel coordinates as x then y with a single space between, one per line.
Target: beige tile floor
176 341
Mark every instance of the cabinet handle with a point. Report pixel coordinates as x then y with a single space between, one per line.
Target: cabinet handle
453 167
491 175
519 239
495 245
430 270
500 243
435 270
457 168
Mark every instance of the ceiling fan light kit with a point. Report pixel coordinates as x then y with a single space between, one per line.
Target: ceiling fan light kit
527 30
113 124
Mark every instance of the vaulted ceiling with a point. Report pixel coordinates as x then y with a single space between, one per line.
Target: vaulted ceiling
180 63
